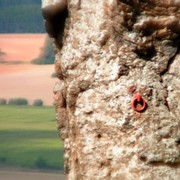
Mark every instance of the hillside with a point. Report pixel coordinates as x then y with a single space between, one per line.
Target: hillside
21 16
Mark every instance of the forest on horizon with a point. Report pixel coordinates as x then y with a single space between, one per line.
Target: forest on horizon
21 16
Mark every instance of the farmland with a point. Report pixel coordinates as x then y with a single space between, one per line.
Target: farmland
29 138
23 79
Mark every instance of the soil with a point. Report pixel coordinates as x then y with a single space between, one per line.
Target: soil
9 175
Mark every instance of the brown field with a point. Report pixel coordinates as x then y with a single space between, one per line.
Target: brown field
10 175
21 47
25 80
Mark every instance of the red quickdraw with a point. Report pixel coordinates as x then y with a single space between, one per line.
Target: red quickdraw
138 103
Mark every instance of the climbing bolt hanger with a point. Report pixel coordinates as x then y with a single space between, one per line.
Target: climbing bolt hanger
138 103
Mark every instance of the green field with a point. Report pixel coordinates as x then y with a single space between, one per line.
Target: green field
28 138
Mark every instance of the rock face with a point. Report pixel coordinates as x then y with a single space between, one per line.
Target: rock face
108 51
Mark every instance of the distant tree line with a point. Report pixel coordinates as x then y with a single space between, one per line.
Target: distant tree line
47 54
21 16
2 54
20 101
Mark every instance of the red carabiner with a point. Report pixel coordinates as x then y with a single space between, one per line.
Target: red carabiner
138 103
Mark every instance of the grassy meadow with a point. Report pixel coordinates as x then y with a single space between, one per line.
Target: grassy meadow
29 139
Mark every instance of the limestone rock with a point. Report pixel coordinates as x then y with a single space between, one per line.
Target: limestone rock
108 51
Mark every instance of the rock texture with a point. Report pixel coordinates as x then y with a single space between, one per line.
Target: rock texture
108 51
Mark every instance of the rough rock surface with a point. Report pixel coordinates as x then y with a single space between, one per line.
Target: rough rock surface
107 51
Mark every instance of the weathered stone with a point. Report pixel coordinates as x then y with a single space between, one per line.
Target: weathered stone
113 49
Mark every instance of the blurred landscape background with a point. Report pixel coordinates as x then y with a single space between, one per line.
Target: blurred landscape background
28 136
